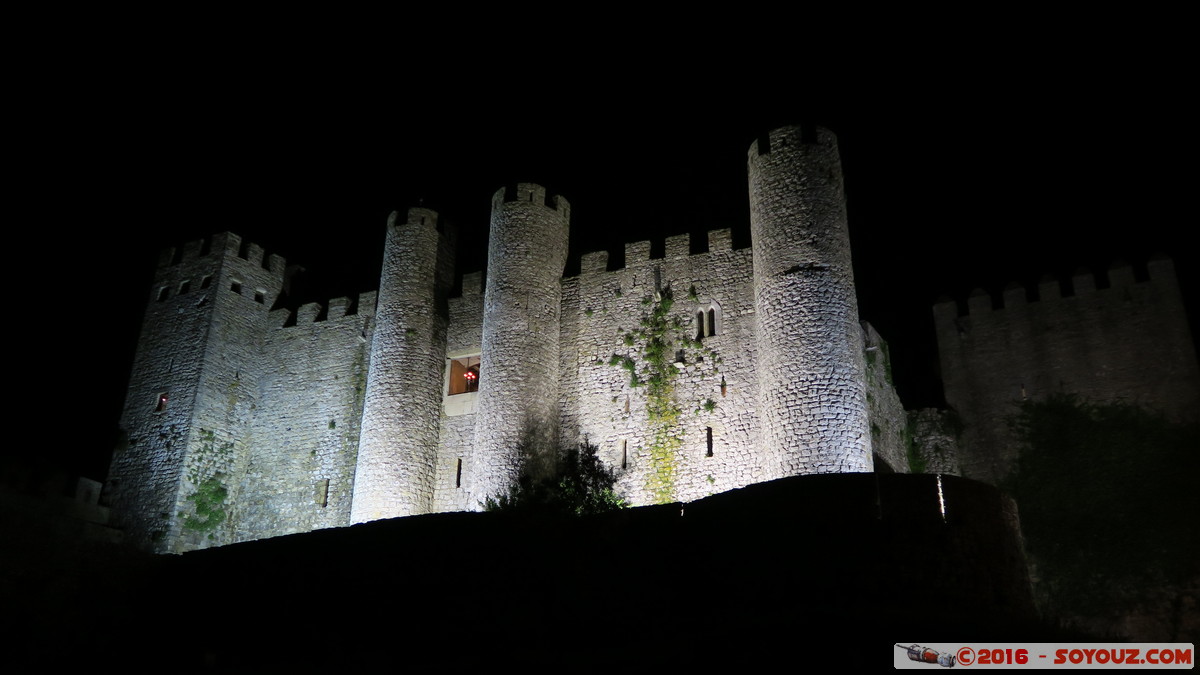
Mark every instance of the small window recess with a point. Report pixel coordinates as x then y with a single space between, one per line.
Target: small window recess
464 375
206 281
458 474
160 402
235 286
163 293
185 287
624 455
708 434
260 296
708 321
322 492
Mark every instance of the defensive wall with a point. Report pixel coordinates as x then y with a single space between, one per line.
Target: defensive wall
1104 337
691 373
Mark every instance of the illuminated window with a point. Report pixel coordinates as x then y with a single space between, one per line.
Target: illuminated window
464 375
161 402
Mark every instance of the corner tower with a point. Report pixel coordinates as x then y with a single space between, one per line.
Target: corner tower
397 453
812 396
519 368
192 393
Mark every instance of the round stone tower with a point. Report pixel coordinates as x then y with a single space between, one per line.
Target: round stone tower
397 451
812 390
519 369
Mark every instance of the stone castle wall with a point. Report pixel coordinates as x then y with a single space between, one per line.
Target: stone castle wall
808 322
300 473
703 442
345 416
398 452
1127 342
518 385
889 429
194 389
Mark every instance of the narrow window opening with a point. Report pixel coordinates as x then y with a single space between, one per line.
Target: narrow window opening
163 293
624 455
699 325
626 407
322 492
458 474
712 322
185 287
260 297
236 286
464 375
708 433
530 196
160 403
244 250
206 281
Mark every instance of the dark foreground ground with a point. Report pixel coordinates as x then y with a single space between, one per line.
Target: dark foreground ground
820 569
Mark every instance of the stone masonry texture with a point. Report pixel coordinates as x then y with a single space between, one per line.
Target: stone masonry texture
1120 340
692 374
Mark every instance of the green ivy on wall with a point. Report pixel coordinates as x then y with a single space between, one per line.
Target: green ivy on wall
652 364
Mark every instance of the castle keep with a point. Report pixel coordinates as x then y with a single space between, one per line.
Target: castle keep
692 373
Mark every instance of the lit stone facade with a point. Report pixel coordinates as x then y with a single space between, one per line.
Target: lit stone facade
693 373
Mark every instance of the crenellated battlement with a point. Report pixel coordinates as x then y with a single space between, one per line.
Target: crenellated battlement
790 137
531 193
1083 283
1104 336
316 313
416 215
675 248
228 245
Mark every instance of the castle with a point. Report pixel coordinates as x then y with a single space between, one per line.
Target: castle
692 374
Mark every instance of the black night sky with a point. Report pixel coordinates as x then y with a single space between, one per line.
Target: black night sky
960 172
